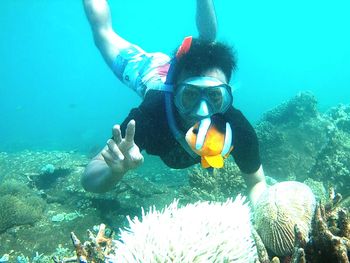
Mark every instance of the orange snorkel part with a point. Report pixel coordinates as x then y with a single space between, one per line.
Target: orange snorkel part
185 46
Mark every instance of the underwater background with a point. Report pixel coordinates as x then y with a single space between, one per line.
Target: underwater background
57 93
59 101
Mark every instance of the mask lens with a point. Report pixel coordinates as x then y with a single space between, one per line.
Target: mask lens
190 96
215 97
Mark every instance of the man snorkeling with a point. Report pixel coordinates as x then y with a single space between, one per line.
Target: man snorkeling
186 116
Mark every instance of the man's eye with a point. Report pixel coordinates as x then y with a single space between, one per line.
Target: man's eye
216 94
190 93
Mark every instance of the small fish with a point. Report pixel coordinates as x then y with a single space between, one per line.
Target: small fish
211 138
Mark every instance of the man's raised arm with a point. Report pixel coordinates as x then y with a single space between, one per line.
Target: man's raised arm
106 39
206 20
110 43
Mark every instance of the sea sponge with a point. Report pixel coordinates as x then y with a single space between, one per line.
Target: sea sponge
200 232
278 210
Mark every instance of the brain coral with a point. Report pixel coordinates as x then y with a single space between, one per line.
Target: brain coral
278 210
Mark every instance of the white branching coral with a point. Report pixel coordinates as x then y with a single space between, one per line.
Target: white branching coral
200 232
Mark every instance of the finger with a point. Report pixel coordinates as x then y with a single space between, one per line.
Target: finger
114 150
138 158
135 157
117 136
107 156
130 131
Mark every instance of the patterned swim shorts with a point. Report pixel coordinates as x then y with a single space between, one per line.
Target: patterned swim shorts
141 71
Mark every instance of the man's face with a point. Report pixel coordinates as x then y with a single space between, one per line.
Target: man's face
187 120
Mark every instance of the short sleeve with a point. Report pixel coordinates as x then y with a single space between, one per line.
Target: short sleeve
245 142
151 133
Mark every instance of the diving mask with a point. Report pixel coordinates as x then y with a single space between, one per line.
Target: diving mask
202 97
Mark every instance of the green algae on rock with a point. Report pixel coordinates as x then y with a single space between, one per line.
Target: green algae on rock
16 211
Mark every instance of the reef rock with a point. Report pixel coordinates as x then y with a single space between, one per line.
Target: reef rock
291 136
333 161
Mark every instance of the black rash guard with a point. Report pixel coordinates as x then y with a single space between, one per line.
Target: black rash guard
155 137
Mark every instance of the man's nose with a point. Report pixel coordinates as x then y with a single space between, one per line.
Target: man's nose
202 109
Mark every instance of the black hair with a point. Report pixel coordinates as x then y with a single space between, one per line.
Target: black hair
204 55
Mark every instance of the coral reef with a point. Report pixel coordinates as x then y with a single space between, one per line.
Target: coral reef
67 206
188 234
48 169
99 248
16 211
329 240
142 242
340 117
330 232
290 136
15 188
18 205
48 176
318 189
333 161
183 234
297 142
302 107
215 185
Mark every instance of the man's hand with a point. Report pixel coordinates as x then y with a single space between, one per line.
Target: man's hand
122 154
256 184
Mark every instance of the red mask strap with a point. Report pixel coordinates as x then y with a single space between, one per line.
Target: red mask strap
185 46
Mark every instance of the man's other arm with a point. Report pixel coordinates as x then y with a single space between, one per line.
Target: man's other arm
256 184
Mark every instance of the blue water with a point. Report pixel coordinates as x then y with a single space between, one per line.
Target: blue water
57 93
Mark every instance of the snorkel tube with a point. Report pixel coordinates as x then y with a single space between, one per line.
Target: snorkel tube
169 91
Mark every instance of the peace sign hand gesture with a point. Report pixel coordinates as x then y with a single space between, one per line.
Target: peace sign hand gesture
122 154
